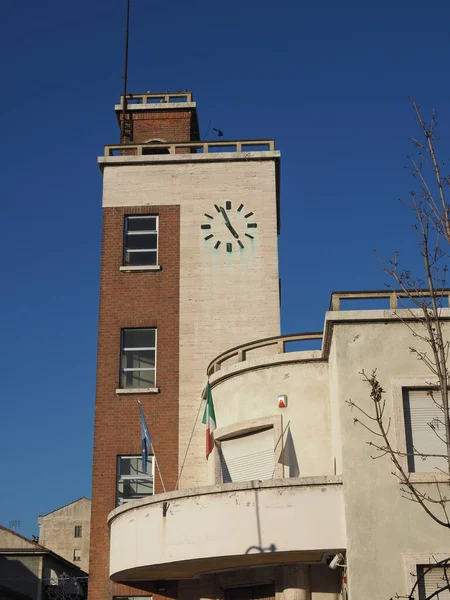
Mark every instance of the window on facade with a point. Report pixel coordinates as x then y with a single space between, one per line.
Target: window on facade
132 482
432 580
76 555
248 457
78 530
141 240
425 431
138 358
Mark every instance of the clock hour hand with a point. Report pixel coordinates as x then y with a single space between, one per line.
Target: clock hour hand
227 222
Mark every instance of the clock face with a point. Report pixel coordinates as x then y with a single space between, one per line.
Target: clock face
228 227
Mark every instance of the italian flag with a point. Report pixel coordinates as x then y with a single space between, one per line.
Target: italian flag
209 419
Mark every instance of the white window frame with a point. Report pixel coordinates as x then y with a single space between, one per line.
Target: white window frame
248 427
126 267
415 560
132 477
398 387
138 390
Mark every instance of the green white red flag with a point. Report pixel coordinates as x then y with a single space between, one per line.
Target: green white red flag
209 419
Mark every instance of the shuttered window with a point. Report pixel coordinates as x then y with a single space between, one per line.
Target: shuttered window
424 425
248 457
434 580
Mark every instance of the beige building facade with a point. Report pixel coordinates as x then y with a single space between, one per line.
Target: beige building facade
324 496
289 505
66 531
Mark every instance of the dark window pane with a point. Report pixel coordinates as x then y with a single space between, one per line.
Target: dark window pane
138 379
131 488
141 224
138 359
146 241
138 338
131 465
136 259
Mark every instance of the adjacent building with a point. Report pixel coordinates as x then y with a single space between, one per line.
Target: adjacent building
30 571
190 292
66 531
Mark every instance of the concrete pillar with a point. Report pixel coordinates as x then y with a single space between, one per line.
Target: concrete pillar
296 582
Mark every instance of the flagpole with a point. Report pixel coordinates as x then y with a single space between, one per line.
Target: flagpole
147 445
189 443
159 470
125 72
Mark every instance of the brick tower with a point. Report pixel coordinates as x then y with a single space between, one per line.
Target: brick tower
177 287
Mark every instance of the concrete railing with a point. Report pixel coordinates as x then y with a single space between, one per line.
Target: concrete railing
241 351
391 295
198 147
164 97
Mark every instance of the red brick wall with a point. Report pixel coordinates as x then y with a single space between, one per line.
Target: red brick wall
146 299
170 126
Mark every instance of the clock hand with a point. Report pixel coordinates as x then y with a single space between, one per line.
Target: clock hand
227 222
232 229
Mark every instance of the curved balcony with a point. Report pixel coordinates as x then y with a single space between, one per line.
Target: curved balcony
184 533
275 344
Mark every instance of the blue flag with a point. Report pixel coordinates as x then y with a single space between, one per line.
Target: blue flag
146 440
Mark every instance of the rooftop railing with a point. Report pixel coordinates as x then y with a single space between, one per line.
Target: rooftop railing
392 295
163 97
195 147
241 351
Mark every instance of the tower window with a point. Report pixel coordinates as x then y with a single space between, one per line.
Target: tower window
141 240
138 358
132 482
76 555
78 531
154 149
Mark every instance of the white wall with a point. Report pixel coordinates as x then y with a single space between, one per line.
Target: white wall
306 422
225 298
383 528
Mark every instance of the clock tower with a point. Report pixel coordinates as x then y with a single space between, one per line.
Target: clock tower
189 269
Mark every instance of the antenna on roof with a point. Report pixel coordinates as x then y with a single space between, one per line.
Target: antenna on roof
126 124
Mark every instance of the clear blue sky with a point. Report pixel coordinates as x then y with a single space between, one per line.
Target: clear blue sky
329 80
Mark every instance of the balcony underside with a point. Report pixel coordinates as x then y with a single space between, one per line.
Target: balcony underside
225 527
193 568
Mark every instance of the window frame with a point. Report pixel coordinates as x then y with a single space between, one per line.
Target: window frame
130 267
399 387
78 529
132 478
76 557
137 390
420 568
274 422
415 560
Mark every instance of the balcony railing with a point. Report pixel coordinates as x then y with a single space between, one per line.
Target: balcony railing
391 295
195 147
241 351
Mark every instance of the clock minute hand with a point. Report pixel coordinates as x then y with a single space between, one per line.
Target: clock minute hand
227 222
